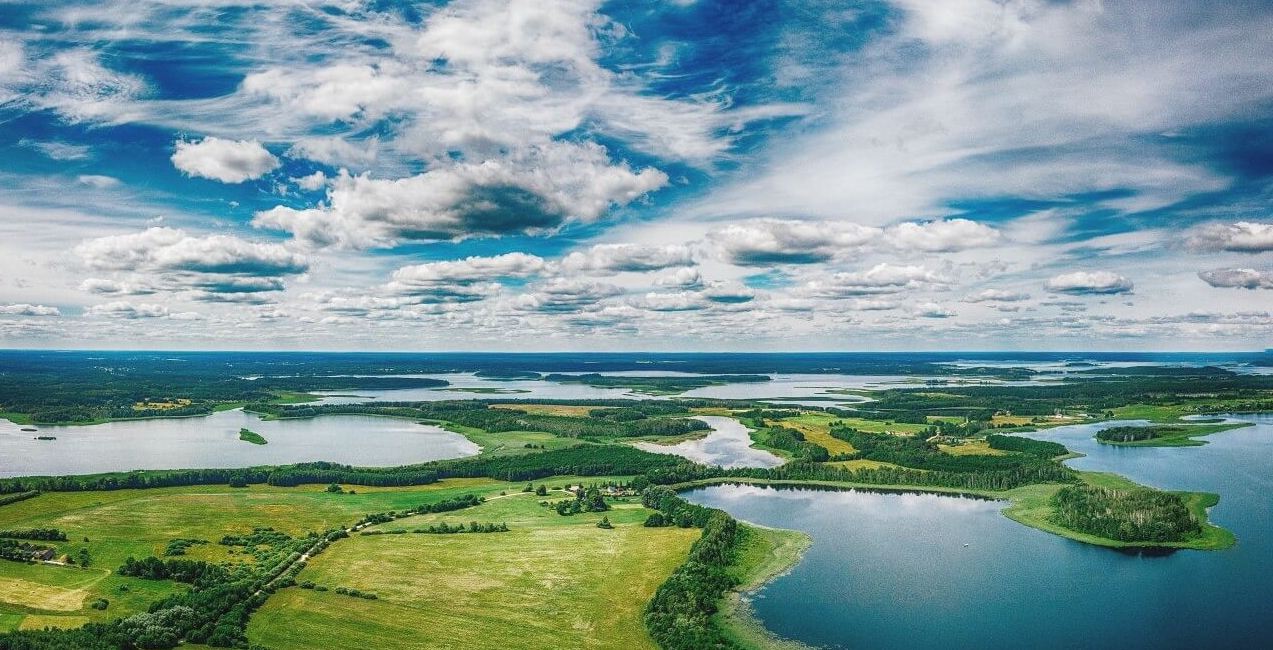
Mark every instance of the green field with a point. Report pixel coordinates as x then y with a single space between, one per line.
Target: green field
140 523
552 581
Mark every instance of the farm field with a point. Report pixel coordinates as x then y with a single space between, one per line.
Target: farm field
551 581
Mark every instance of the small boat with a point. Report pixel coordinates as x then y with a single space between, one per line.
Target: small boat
46 437
965 546
29 429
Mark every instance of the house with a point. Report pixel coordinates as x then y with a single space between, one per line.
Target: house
43 554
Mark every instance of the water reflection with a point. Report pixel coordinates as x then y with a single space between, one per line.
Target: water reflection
728 445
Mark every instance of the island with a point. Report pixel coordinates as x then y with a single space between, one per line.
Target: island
248 435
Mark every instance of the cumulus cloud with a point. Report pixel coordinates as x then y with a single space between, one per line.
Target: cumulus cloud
1240 237
169 259
944 236
227 161
762 242
679 301
997 295
533 191
128 310
932 310
26 309
685 277
619 258
728 292
1089 283
472 278
882 278
1238 278
171 249
561 295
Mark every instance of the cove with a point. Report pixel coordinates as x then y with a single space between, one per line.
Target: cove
213 441
892 571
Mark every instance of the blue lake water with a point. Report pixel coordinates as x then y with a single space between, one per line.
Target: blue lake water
213 441
893 571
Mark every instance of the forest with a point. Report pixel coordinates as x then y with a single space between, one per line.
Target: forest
1129 515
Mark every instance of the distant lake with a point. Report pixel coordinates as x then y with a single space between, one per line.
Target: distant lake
892 571
213 441
728 445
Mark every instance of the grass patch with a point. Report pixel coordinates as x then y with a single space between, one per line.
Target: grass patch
248 435
551 582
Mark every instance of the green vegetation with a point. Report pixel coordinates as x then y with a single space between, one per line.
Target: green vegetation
549 582
1135 515
1162 435
1030 446
247 435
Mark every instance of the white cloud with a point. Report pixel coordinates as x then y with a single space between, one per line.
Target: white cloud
619 258
763 242
1089 282
534 191
62 151
1241 237
565 295
1238 278
942 236
728 292
932 310
98 182
227 161
882 278
997 295
685 277
212 268
124 309
26 309
312 182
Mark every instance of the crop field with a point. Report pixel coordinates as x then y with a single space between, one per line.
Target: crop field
816 428
139 523
551 581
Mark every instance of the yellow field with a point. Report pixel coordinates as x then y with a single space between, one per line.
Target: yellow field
549 409
864 464
816 428
972 448
25 593
141 406
1013 420
551 582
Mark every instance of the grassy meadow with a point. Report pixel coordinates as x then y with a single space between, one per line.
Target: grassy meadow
551 581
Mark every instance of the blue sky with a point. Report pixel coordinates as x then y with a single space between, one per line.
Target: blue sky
577 175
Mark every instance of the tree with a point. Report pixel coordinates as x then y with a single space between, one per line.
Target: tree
604 523
334 489
541 491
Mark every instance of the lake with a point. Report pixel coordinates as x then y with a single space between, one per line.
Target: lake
728 445
213 441
893 571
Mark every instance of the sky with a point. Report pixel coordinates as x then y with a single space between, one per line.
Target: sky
577 175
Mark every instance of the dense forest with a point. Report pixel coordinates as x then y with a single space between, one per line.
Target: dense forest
1127 515
1135 434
